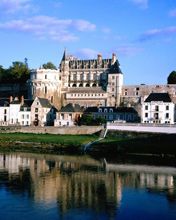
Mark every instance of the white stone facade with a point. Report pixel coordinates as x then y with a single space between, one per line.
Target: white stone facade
84 82
158 112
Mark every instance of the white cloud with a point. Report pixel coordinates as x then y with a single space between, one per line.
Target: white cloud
86 53
128 50
12 6
172 13
143 4
49 27
157 33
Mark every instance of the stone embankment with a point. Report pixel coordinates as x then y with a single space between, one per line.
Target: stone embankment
82 130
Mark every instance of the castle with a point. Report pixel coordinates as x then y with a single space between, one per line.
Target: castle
94 82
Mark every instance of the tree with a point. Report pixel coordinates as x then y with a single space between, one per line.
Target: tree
172 78
19 72
49 65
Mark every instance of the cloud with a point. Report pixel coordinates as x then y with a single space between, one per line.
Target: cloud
86 53
158 32
12 6
172 13
143 4
46 27
128 50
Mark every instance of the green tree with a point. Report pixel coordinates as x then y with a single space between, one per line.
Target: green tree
18 72
172 78
1 73
49 65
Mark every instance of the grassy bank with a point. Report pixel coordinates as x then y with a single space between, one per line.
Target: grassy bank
43 143
125 143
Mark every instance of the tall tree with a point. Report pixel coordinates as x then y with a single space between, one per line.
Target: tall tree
49 65
172 78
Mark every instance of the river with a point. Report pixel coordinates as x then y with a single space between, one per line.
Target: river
34 186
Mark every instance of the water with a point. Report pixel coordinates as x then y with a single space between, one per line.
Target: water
54 187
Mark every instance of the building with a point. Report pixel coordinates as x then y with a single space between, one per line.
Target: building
96 82
25 112
4 111
158 108
42 112
68 115
112 114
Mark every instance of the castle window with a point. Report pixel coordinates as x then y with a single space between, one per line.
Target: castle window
74 85
52 99
126 93
45 89
112 89
80 85
137 93
105 110
94 85
87 85
110 110
99 110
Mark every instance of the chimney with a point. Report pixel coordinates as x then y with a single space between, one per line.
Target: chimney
114 58
99 58
11 99
22 100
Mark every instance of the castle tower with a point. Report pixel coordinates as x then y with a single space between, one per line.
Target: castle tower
115 83
64 70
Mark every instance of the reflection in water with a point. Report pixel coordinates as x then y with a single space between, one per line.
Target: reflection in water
77 185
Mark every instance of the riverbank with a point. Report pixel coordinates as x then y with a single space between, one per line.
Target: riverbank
123 144
116 146
44 143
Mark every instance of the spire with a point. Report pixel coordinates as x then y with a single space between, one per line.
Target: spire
64 55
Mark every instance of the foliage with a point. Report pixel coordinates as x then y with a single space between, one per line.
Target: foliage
172 78
49 65
18 72
88 119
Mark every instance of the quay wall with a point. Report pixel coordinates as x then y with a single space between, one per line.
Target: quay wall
54 130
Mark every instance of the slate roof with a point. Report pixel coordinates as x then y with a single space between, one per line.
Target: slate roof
158 97
71 108
4 102
44 102
86 90
27 104
115 110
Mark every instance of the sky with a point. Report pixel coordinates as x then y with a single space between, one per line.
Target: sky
142 33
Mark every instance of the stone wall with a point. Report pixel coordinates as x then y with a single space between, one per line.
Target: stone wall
54 130
13 89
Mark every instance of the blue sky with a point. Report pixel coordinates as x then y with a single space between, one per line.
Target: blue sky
141 32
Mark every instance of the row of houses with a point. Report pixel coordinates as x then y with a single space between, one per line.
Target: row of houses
156 108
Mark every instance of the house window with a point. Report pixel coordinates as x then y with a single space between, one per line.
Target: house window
112 89
36 109
146 115
45 76
22 116
113 77
167 115
156 116
5 118
156 108
27 116
167 107
5 111
146 107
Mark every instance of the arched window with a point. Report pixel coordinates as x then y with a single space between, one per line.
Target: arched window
87 85
74 85
94 85
45 89
80 85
